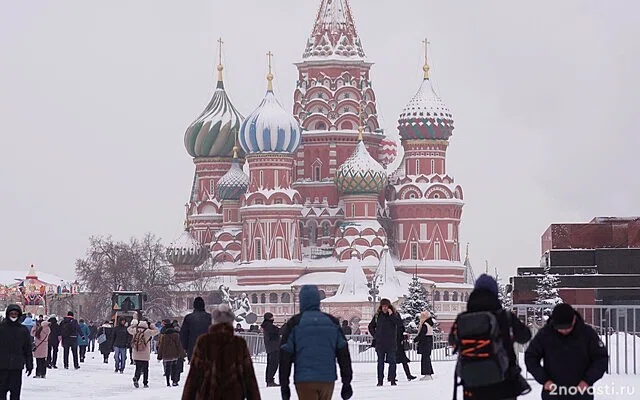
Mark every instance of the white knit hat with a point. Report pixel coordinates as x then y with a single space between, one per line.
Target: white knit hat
223 315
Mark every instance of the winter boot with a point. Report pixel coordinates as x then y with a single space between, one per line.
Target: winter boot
135 383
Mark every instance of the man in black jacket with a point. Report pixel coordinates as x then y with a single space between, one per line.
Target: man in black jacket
573 354
54 343
70 330
15 353
384 329
484 297
120 341
194 325
271 336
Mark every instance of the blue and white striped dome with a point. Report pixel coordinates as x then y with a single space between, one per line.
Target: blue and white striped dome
270 129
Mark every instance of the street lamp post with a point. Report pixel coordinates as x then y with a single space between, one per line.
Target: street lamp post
374 292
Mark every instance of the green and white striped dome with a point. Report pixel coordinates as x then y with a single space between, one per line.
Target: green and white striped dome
360 173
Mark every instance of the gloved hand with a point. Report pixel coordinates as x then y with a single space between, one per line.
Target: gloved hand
29 372
285 391
346 391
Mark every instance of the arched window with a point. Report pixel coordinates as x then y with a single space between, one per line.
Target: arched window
316 173
263 298
273 298
254 299
436 295
455 296
286 298
353 209
321 126
445 297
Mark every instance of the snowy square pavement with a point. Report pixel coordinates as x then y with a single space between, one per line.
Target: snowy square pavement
97 380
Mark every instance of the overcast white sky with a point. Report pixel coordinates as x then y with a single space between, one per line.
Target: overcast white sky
95 98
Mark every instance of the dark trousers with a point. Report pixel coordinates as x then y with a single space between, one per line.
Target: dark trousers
171 371
425 362
41 367
70 345
315 390
407 370
52 356
273 359
92 345
83 352
10 382
390 357
142 369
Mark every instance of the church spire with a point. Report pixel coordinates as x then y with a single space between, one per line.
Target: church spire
334 34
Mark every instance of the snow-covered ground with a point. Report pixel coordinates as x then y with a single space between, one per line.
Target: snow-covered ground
97 380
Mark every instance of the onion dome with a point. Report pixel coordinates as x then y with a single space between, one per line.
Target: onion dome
214 132
388 152
186 250
235 182
360 173
425 116
270 129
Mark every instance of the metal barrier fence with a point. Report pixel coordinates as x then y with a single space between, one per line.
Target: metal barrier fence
618 327
360 348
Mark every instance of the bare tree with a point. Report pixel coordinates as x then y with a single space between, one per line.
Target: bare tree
138 265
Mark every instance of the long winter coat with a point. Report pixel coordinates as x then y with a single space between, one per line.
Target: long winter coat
106 346
512 330
169 347
384 329
271 335
221 368
195 324
582 346
54 334
15 344
401 356
42 342
142 334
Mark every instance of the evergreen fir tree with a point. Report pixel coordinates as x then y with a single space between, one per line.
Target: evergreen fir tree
504 295
547 293
415 302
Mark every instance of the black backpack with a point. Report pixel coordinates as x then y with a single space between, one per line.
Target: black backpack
482 356
67 328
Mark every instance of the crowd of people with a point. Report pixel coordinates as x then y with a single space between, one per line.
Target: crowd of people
311 345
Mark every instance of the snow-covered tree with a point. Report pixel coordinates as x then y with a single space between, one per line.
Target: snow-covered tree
547 293
504 295
415 302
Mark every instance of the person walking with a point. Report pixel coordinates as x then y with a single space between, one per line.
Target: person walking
83 339
312 342
169 352
40 335
384 328
142 332
93 334
120 342
15 353
194 325
55 337
424 339
105 342
271 337
573 355
401 356
221 366
488 372
70 331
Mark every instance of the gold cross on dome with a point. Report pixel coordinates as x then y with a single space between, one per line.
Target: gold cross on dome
425 68
220 43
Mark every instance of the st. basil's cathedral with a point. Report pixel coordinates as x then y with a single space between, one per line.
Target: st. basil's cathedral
281 199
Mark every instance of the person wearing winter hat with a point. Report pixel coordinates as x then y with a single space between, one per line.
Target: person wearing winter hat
221 365
194 325
271 337
15 352
484 300
566 337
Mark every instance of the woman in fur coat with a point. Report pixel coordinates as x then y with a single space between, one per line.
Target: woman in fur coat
425 344
40 335
221 366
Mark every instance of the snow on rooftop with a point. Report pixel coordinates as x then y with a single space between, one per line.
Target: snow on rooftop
353 287
319 278
388 281
10 277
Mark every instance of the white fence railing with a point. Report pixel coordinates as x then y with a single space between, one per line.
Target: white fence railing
618 327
